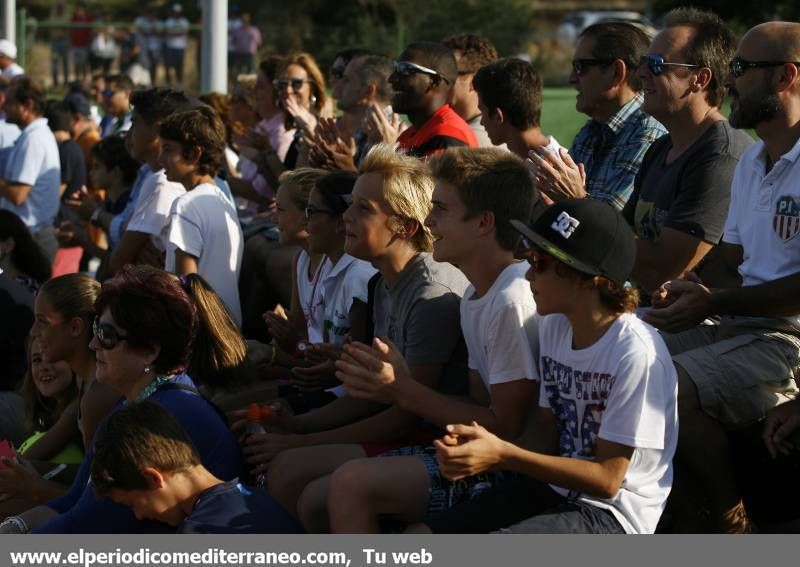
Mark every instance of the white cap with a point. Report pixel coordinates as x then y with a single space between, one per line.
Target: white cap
8 49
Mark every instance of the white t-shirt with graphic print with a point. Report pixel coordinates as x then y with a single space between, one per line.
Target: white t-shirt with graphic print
623 389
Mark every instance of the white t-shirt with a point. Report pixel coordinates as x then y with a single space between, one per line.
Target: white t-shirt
204 223
179 27
153 207
309 292
13 70
764 217
500 328
345 281
623 389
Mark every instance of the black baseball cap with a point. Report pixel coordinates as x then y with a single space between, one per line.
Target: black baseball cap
77 103
589 236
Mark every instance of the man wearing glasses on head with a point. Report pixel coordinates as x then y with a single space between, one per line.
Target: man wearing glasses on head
612 143
422 79
681 193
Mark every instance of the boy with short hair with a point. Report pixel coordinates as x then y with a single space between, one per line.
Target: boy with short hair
144 459
203 235
608 417
476 193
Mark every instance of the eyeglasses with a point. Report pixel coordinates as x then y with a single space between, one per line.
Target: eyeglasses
739 66
407 68
283 84
311 211
106 334
582 65
655 63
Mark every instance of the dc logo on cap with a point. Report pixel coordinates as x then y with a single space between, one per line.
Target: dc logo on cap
565 225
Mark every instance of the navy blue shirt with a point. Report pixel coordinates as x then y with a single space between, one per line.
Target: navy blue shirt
81 511
231 507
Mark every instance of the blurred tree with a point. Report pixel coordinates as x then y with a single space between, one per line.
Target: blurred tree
733 12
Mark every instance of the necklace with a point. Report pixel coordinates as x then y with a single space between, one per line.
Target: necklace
151 388
311 306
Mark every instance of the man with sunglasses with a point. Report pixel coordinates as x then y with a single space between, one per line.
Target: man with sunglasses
422 79
608 151
732 374
681 193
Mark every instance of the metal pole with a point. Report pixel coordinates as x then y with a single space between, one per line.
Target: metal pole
9 15
214 46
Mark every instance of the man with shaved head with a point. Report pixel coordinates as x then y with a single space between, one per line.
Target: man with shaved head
734 373
421 81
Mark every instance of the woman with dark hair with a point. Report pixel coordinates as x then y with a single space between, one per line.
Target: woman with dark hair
20 256
151 329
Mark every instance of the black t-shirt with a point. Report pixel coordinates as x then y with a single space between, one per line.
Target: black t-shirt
692 193
231 507
73 166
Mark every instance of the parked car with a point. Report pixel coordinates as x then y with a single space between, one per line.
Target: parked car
575 22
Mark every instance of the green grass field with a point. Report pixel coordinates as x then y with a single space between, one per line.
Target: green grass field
559 117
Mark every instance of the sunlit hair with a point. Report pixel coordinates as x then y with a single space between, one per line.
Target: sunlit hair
407 190
315 76
140 435
299 183
72 295
489 180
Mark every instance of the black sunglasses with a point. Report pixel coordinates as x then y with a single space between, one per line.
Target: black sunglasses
655 63
311 211
407 68
283 84
739 66
580 66
106 334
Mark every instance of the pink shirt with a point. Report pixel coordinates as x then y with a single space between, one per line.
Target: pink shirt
246 40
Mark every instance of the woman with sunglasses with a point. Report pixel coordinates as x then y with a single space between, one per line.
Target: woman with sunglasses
151 329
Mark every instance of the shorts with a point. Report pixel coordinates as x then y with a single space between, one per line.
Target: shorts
444 494
524 505
740 372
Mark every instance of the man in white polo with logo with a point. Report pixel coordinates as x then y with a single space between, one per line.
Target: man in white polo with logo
732 374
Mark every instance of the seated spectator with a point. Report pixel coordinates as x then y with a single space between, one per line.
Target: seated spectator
73 163
137 231
682 191
422 79
510 102
414 303
115 171
732 374
9 132
144 459
20 257
83 129
477 192
8 56
203 226
362 92
29 184
116 105
607 153
49 393
605 437
471 52
64 311
151 329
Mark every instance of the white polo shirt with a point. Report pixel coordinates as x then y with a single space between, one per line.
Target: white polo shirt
764 217
153 206
34 161
345 281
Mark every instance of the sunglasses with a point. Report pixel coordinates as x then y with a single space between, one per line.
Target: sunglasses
580 66
106 334
407 68
739 66
283 84
656 64
311 211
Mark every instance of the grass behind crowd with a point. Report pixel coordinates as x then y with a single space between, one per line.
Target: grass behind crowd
559 117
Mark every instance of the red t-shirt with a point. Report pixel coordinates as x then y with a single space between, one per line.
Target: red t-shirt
80 37
445 129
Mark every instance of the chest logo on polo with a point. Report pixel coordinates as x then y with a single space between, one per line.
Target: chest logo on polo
786 221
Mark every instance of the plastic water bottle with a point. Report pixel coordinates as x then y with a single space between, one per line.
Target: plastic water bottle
256 413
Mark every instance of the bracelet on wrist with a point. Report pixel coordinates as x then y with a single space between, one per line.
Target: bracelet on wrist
18 522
